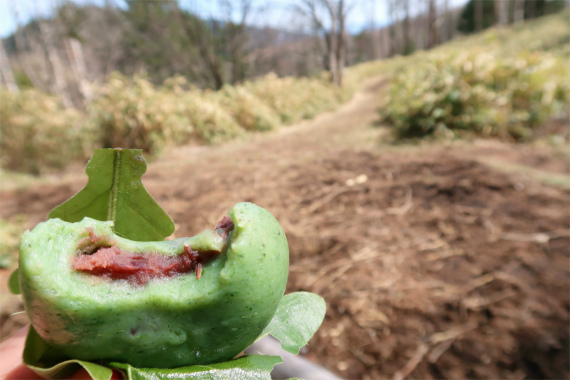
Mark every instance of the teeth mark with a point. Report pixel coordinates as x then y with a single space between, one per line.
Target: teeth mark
116 264
98 257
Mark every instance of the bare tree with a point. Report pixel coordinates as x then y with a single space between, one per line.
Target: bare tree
330 39
502 8
69 23
76 58
478 16
392 11
342 13
432 24
518 14
407 48
447 21
6 74
421 24
236 35
531 9
328 18
59 85
374 35
198 33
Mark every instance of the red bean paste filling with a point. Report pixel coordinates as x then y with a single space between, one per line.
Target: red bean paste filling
102 258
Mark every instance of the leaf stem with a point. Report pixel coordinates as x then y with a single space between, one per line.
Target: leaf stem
113 194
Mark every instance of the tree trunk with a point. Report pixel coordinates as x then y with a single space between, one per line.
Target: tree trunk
478 15
531 9
59 86
518 15
432 24
502 8
194 30
331 49
384 43
406 27
332 43
236 37
340 52
447 21
392 28
77 60
374 36
237 54
213 66
6 71
421 25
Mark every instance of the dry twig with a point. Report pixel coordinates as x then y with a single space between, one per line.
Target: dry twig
412 363
539 237
326 199
452 333
408 203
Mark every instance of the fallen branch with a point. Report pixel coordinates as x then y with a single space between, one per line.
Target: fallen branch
478 282
441 340
412 363
438 350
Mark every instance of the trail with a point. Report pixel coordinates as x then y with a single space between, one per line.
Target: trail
348 126
426 254
256 157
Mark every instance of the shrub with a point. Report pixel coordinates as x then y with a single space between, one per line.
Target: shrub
249 111
38 133
132 113
476 92
294 99
212 122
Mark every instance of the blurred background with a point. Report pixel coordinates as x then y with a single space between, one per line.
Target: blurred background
415 151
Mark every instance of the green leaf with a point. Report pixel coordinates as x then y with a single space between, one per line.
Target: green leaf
298 316
251 367
47 362
115 192
14 283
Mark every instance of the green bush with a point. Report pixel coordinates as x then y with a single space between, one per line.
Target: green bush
295 99
132 113
38 133
507 88
249 111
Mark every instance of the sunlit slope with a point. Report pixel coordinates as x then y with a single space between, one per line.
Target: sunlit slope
504 82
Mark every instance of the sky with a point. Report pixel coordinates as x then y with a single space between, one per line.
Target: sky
270 13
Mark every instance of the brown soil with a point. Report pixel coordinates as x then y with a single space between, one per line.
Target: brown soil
433 264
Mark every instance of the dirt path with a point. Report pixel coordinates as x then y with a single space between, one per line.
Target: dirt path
433 264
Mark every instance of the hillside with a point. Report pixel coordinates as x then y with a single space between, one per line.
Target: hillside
437 258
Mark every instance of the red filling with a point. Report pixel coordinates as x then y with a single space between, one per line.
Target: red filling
224 227
113 263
